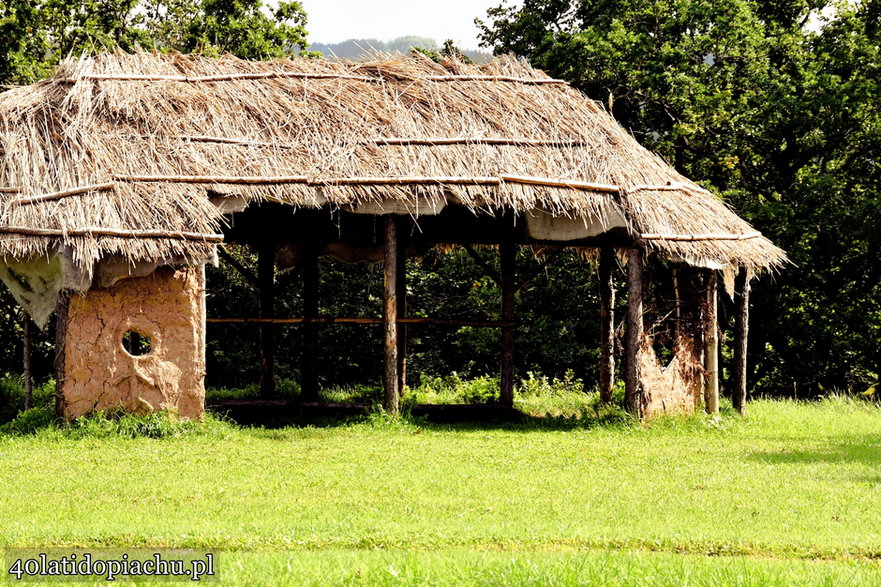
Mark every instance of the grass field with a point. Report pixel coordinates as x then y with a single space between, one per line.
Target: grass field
790 494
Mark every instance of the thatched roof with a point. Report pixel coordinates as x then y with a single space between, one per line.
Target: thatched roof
117 154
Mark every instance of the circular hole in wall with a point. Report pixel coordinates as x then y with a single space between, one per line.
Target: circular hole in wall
136 343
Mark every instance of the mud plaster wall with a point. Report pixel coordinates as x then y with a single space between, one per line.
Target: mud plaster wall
676 388
166 305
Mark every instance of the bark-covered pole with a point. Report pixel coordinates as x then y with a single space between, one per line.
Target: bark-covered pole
266 279
607 324
26 363
390 315
507 254
633 399
61 312
402 311
711 354
741 335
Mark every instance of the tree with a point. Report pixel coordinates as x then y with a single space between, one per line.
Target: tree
38 33
769 104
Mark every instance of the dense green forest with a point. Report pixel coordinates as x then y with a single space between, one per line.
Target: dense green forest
773 105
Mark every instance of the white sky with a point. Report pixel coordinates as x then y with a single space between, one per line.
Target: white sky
332 21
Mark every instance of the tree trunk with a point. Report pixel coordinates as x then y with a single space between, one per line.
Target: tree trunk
507 254
26 363
607 324
633 398
711 354
390 270
266 278
741 335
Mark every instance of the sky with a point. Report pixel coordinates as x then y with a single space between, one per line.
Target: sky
332 21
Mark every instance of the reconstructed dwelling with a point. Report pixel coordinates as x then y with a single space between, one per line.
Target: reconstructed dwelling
122 175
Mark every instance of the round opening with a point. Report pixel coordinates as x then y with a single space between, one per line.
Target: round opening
136 343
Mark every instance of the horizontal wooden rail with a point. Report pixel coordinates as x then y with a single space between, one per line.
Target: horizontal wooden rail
109 232
474 141
101 187
366 320
700 237
304 75
231 77
562 183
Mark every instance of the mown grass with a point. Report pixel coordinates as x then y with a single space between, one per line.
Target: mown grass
789 494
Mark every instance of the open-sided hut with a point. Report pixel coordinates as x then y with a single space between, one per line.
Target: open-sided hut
122 174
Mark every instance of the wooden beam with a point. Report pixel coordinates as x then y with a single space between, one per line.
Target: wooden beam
266 279
78 191
309 379
700 237
401 283
711 344
633 393
366 320
607 324
62 308
243 271
507 262
741 335
390 287
112 232
26 363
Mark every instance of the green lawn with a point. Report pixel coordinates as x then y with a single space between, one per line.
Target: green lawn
790 494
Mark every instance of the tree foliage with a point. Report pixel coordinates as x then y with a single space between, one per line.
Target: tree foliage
37 33
772 104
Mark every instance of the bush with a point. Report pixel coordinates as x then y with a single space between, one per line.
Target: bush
539 385
453 389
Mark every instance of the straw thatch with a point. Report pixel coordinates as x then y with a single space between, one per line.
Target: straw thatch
117 154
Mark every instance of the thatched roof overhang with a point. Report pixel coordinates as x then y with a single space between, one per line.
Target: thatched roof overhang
128 155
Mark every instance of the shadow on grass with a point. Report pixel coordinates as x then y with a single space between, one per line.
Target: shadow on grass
441 417
863 449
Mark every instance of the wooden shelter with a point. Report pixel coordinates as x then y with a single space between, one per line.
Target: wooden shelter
121 175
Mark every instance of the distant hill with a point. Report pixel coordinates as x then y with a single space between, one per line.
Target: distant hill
358 48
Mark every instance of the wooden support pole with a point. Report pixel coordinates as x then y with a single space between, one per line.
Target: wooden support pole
607 324
711 351
633 396
508 258
266 279
26 363
401 283
741 335
61 312
390 283
308 372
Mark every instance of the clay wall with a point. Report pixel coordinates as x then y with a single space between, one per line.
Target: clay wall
167 307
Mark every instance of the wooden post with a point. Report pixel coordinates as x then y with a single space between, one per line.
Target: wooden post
61 312
507 260
402 311
607 324
390 283
711 352
633 400
308 374
26 363
266 279
741 334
